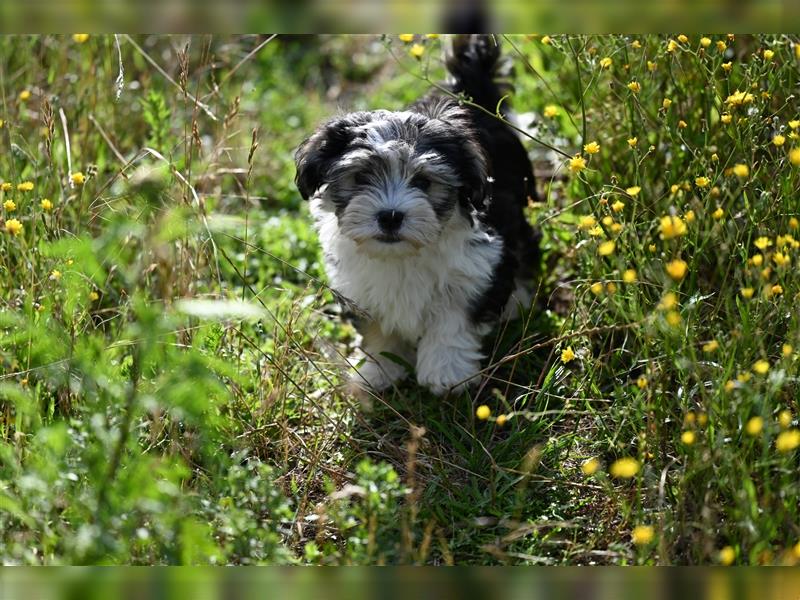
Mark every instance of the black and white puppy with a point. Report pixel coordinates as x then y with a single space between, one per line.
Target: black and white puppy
420 216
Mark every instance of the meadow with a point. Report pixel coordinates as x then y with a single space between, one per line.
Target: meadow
171 360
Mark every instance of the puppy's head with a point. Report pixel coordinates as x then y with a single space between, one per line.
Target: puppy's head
394 179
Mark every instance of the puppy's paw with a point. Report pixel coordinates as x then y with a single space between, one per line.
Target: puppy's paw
371 376
452 377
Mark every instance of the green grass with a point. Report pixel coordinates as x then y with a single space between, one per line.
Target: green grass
140 423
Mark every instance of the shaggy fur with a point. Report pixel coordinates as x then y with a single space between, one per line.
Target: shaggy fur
420 216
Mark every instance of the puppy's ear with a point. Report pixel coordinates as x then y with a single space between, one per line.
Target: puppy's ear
476 188
317 154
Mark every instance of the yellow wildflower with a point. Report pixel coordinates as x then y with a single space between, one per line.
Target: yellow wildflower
634 87
682 124
673 318
14 227
718 214
711 346
786 350
761 367
672 227
641 383
10 205
406 37
794 124
666 103
417 50
763 242
778 140
754 426
611 287
629 276
46 205
550 111
587 222
794 156
785 419
591 148
93 296
24 95
606 248
546 40
624 468
794 223
677 269
672 45
501 420
78 178
739 98
577 164
787 440
781 259
633 190
636 44
702 182
483 412
55 275
757 259
651 66
689 217
596 288
776 289
725 118
705 42
618 206
567 355
727 555
741 170
605 62
668 301
633 141
80 38
590 467
642 535
721 46
25 186
688 437
768 54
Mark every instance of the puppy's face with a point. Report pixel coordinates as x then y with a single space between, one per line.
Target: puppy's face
392 179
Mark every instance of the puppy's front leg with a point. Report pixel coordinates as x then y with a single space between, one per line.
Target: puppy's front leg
449 353
377 372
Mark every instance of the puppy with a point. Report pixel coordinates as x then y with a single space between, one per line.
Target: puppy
420 217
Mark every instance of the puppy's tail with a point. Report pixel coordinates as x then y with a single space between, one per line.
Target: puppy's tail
477 69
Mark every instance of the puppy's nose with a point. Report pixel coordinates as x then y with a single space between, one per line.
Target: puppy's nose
390 220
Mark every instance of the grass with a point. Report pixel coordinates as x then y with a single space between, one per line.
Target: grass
172 359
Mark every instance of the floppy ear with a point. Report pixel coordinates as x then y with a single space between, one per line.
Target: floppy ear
317 154
476 191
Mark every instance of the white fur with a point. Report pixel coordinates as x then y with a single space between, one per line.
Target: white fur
418 298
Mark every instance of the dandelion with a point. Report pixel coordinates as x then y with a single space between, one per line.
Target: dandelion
46 205
711 346
633 141
605 63
624 468
787 440
618 206
590 467
672 227
596 288
727 555
673 318
768 54
10 205
6 186
417 50
629 276
776 289
754 426
501 420
634 87
592 148
633 191
577 164
677 269
567 355
606 248
718 214
721 46
739 98
702 182
587 222
642 535
406 37
785 419
668 301
794 124
786 350
778 140
551 111
24 95
688 437
14 227
794 156
705 42
483 412
761 367
641 382
741 170
25 186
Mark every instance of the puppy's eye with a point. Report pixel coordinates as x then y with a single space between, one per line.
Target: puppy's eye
420 182
361 179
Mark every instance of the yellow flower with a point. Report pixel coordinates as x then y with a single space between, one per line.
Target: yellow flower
636 44
702 182
596 288
80 38
744 377
93 296
417 50
786 350
672 45
606 248
776 289
711 346
587 222
673 318
406 37
689 216
633 141
611 287
577 164
794 223
14 227
785 419
642 382
55 275
6 186
683 39
651 247
794 156
546 40
705 42
592 148
46 205
761 367
567 355
702 419
642 535
672 227
666 103
768 54
677 269
715 158
739 98
605 62
690 418
794 124
624 468
778 140
24 95
633 190
634 87
9 205
596 231
501 420
718 214
727 555
25 186
787 440
550 111
721 46
78 178
725 118
727 66
629 276
730 385
781 259
682 124
608 221
432 36
688 437
763 242
2 123
483 412
618 206
668 301
757 260
590 467
741 170
754 426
